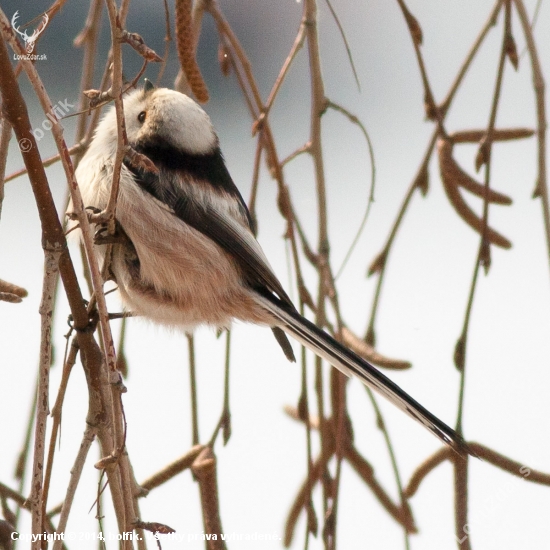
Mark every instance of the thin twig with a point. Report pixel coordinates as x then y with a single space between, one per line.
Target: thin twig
303 411
23 457
88 37
68 363
254 186
193 386
167 41
300 151
304 496
409 524
226 413
432 112
401 514
5 135
483 257
122 140
51 262
76 472
75 149
296 47
354 120
541 188
346 43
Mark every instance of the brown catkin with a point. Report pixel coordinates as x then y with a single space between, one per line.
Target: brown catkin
10 288
186 50
452 176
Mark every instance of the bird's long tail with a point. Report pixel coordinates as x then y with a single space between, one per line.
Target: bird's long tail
350 364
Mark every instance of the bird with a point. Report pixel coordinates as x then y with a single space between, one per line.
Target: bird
185 253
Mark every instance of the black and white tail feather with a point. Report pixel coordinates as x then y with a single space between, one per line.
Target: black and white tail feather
188 255
349 363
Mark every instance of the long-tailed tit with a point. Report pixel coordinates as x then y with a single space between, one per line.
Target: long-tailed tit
189 256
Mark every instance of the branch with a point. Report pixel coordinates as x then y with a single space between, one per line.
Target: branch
172 469
76 472
51 266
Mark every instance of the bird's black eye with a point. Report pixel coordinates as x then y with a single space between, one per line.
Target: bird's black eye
141 116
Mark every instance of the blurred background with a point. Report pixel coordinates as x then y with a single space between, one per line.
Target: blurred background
423 297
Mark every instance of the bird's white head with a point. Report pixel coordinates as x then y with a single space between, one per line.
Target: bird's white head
160 116
163 114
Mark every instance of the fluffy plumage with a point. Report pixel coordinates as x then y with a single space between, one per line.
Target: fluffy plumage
191 257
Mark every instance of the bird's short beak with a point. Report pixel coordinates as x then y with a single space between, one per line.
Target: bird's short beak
148 86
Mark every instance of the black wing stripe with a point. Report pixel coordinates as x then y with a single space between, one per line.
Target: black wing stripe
212 223
208 167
